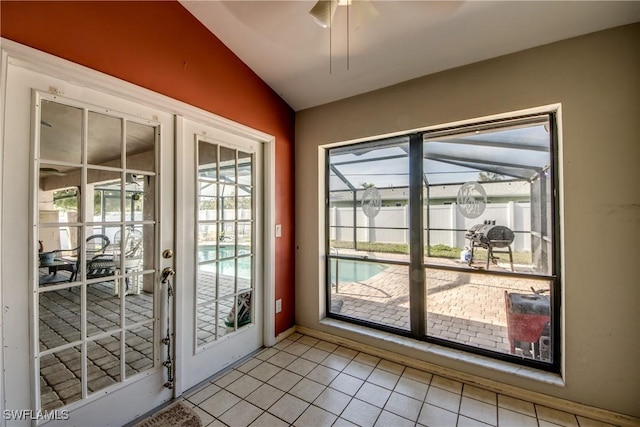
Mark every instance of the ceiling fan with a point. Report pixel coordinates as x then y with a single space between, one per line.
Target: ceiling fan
324 11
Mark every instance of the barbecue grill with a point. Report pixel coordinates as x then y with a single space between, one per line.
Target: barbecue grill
494 238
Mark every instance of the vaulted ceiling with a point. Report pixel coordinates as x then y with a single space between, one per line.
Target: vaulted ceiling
307 64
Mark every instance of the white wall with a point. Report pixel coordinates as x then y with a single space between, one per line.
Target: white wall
596 80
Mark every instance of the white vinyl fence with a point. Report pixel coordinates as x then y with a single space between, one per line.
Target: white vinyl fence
446 223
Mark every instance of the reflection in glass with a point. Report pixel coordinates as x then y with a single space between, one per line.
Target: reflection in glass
57 254
245 169
244 272
140 197
60 132
60 374
103 363
104 143
371 292
139 299
207 287
107 190
59 314
488 312
226 316
59 194
226 277
206 324
103 307
207 161
140 147
227 165
138 349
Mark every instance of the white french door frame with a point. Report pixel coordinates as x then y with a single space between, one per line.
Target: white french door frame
41 62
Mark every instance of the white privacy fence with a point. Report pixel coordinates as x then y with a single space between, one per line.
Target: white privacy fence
446 224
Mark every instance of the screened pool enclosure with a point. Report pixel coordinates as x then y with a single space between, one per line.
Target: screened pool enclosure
450 236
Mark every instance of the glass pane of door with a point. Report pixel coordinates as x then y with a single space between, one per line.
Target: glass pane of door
97 225
224 234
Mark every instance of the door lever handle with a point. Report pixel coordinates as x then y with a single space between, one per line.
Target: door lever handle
167 272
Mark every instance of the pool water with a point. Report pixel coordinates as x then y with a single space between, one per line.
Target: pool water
354 271
227 267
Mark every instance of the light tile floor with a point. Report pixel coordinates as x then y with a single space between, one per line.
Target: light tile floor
303 381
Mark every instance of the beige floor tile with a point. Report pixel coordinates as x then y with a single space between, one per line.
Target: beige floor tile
383 378
283 344
315 355
215 423
443 399
326 346
297 349
480 394
281 359
507 418
346 384
244 386
295 336
332 400
288 408
358 369
373 394
307 390
284 380
446 384
543 423
433 416
481 411
241 415
307 340
264 371
403 406
387 419
417 375
336 362
361 413
267 353
341 422
556 417
367 359
265 396
301 366
345 352
249 365
516 405
228 378
219 403
411 388
203 394
470 422
394 368
268 420
205 417
588 422
314 416
323 375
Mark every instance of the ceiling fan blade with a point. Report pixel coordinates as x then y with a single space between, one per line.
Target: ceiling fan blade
323 11
363 12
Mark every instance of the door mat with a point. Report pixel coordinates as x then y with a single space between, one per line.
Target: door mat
175 415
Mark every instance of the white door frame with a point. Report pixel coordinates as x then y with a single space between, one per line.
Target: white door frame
41 62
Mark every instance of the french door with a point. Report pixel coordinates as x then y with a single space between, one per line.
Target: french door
86 215
220 209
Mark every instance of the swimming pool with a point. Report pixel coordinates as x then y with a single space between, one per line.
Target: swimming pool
354 271
227 266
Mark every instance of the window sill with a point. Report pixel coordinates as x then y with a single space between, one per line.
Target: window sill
403 343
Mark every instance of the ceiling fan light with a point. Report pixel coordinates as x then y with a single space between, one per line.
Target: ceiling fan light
363 12
322 12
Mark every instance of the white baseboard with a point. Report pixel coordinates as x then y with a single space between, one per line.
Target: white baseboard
586 411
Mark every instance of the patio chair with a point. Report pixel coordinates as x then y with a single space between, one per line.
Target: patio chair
99 262
129 248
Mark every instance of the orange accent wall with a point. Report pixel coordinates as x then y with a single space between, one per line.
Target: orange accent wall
159 45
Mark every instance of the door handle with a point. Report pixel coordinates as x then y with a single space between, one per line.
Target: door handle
167 272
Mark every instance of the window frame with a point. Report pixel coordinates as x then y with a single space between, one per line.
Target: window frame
417 283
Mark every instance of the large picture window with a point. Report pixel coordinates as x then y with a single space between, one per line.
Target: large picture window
450 236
